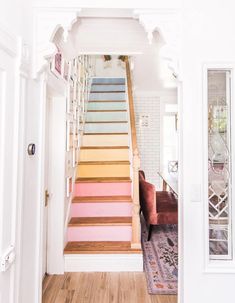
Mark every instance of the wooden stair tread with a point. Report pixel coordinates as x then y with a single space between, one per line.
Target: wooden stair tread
104 147
103 180
96 247
100 221
98 199
90 134
106 110
96 122
107 91
104 162
100 83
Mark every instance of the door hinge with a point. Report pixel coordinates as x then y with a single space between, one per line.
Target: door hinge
47 196
7 259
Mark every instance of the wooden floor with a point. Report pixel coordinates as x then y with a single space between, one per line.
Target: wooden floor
100 288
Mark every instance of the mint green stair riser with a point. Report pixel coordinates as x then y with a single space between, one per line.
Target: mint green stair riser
106 116
107 105
106 127
107 96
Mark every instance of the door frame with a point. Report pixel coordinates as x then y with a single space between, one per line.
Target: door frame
54 90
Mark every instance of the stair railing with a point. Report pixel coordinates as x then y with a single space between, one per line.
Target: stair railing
135 242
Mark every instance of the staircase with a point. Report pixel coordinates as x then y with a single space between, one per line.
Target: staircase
102 207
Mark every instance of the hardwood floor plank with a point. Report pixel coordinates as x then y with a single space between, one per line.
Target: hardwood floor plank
113 287
141 289
53 287
100 287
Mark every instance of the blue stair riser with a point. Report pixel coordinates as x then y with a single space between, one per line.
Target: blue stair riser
107 105
106 116
108 80
108 88
106 127
107 96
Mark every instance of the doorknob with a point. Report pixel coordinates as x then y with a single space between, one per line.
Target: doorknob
47 196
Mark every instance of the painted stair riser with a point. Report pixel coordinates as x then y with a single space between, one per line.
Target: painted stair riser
104 154
108 88
102 189
106 128
105 140
106 116
107 105
101 209
107 96
108 80
110 170
100 233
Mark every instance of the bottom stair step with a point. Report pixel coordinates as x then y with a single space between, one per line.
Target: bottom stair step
100 247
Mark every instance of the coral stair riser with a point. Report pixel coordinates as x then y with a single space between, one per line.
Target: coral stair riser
101 209
102 189
99 233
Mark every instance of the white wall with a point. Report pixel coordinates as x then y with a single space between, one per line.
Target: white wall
112 68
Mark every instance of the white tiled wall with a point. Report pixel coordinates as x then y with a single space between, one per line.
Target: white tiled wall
147 108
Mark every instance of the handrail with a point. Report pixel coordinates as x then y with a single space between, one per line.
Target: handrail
131 105
135 241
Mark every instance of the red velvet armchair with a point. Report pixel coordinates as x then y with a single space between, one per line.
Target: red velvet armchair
158 207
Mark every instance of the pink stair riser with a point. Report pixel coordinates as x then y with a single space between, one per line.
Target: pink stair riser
103 189
99 233
101 209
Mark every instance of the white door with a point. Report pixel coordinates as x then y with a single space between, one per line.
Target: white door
8 173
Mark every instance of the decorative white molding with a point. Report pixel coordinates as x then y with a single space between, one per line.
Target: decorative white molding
8 42
167 23
49 23
103 263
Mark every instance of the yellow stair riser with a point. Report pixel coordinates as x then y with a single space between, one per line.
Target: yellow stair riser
105 140
104 154
105 170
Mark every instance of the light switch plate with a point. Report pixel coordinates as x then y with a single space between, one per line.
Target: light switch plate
196 193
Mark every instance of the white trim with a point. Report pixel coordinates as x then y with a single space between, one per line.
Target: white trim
103 263
180 196
214 266
8 42
40 195
21 92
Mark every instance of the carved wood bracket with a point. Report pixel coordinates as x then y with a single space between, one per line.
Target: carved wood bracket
167 23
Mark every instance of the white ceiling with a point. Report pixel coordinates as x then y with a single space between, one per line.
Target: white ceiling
110 32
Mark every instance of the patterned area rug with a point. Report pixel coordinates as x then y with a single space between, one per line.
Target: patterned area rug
161 258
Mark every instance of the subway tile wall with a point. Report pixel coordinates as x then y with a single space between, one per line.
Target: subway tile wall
148 127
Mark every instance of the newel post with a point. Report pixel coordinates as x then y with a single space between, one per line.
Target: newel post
135 241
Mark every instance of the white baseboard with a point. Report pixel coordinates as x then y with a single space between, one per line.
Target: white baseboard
103 262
